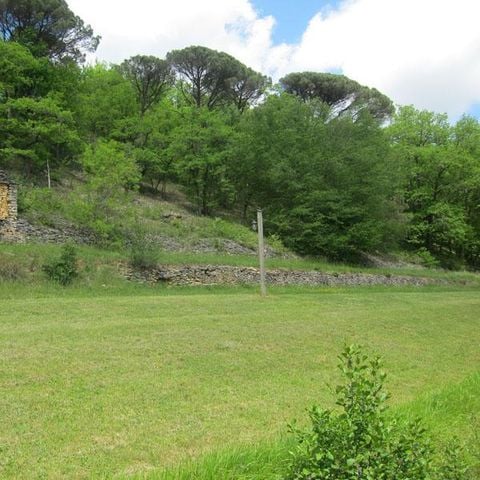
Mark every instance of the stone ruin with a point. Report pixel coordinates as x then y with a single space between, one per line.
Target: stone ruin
8 209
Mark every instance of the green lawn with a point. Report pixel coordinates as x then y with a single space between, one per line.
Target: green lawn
124 383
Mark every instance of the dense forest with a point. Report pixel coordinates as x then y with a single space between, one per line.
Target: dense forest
336 167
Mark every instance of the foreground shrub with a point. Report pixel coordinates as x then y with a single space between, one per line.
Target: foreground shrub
11 270
63 270
143 252
362 442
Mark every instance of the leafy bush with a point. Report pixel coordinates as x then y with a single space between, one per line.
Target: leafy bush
143 251
362 442
427 259
11 270
42 205
64 269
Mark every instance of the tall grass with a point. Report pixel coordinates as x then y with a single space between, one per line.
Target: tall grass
452 410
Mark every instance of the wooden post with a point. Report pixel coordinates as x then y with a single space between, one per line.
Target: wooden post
48 175
261 253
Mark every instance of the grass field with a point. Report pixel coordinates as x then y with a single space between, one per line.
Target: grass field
451 411
134 380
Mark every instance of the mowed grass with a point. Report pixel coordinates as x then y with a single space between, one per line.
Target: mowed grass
128 384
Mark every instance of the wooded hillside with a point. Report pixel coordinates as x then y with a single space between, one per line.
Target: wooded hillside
337 169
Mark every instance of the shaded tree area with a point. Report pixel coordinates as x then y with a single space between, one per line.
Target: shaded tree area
48 28
343 95
326 185
336 169
151 77
211 79
440 185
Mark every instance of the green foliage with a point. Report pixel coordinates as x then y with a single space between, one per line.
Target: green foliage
18 70
247 87
362 441
143 252
326 186
151 136
64 269
150 77
452 464
311 152
200 146
440 183
23 75
427 259
10 270
102 205
104 99
211 79
344 95
47 28
36 135
40 205
204 74
110 167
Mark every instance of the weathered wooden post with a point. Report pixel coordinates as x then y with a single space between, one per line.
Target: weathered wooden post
261 253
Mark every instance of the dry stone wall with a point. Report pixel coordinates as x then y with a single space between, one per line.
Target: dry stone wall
64 233
4 201
8 210
15 230
229 275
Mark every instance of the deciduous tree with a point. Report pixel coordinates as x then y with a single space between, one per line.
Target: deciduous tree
37 135
200 146
103 100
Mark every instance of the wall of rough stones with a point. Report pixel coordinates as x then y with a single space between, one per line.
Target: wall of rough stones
3 201
225 275
13 229
8 210
62 234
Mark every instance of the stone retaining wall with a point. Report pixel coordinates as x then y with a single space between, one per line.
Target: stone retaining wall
8 210
228 275
64 234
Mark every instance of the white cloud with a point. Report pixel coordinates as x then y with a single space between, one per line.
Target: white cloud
158 26
425 52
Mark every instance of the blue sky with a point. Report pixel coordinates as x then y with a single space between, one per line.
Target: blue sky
475 110
292 16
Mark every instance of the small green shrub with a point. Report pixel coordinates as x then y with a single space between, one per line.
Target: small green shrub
452 465
42 205
11 270
361 441
427 259
276 243
63 270
143 252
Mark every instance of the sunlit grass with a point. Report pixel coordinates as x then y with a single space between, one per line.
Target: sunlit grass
97 383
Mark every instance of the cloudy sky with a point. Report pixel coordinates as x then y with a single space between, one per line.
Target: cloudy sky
421 52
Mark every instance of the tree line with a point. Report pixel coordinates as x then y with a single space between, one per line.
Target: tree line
337 168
